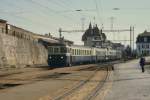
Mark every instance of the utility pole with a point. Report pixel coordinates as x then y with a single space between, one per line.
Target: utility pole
82 22
131 38
112 22
112 26
60 35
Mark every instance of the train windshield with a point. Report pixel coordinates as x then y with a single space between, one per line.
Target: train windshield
63 49
57 50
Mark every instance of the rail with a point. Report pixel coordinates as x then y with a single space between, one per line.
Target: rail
82 83
97 89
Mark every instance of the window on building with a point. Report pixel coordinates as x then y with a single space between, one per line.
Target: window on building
142 45
139 47
145 39
147 46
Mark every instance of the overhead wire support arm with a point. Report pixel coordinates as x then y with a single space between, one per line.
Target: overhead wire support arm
69 31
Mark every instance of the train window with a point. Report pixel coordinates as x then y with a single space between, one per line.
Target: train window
56 50
73 52
70 50
76 51
80 52
63 50
50 50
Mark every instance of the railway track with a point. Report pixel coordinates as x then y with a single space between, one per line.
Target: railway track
96 90
82 83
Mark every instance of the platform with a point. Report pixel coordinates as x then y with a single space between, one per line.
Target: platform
129 83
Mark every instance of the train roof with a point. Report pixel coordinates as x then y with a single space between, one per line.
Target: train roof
78 46
81 46
88 47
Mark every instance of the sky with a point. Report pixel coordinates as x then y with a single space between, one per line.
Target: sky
44 16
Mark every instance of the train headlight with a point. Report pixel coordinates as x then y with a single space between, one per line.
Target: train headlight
61 57
50 57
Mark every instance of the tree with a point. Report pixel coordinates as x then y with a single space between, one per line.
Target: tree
127 51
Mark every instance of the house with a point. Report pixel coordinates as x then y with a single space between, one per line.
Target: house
143 44
93 37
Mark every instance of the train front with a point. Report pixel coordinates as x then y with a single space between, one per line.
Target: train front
58 56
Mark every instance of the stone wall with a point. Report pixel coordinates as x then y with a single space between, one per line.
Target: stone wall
19 51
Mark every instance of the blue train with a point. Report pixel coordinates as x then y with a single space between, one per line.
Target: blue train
64 55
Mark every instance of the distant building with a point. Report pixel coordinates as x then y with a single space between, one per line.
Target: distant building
118 46
94 37
143 44
49 39
21 33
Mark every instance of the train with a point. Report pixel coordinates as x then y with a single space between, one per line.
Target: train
65 55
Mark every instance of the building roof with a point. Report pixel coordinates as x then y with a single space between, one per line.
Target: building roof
3 21
145 33
141 37
93 31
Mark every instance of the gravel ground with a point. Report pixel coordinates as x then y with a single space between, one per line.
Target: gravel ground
87 88
46 84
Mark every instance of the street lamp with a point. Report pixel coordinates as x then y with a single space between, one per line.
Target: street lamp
116 8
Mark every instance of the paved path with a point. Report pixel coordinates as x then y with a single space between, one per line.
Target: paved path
129 83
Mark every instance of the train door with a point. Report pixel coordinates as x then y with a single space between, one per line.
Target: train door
70 62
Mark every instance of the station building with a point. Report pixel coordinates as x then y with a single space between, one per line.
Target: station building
143 44
94 37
